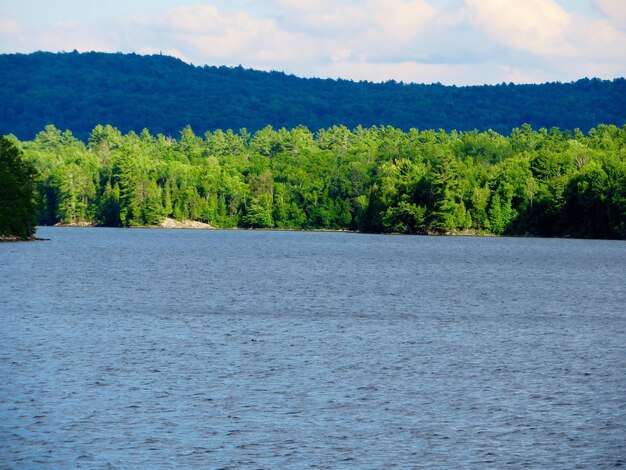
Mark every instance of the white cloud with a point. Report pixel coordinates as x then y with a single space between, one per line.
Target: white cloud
322 17
598 40
401 19
391 19
237 38
303 5
11 31
535 26
207 19
341 55
614 10
8 25
372 30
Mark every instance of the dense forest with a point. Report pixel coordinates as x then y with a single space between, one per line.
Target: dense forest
18 198
77 91
376 179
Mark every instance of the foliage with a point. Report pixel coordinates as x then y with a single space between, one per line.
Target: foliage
18 211
377 179
129 91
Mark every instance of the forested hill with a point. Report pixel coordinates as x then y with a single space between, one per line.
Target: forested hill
132 92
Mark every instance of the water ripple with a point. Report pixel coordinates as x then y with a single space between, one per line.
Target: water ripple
157 349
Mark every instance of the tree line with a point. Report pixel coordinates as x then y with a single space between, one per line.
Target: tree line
545 182
129 91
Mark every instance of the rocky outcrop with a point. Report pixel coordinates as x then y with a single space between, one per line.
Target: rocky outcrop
173 223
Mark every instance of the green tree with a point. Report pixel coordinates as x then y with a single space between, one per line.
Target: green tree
449 212
18 209
379 179
76 191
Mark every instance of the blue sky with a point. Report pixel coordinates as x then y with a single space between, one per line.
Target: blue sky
450 41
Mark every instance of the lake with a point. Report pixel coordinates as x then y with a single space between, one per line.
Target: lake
139 348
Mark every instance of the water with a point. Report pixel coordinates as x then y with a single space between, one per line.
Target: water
236 349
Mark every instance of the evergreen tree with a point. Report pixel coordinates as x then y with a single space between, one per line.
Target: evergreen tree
18 210
380 179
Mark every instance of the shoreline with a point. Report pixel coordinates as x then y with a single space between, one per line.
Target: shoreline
196 225
14 238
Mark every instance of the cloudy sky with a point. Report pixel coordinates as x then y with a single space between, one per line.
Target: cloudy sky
449 41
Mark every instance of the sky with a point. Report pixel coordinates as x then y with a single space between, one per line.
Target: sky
461 42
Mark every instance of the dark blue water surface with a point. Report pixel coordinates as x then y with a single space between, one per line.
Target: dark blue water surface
126 348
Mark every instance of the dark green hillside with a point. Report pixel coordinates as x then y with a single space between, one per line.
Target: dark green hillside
132 92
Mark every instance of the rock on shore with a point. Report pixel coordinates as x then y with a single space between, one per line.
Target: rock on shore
173 223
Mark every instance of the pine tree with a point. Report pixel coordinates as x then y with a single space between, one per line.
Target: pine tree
18 208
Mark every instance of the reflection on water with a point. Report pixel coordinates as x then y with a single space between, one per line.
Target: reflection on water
218 349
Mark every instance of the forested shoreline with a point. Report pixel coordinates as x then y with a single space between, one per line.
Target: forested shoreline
379 179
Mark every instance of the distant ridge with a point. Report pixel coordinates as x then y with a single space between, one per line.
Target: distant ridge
79 90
